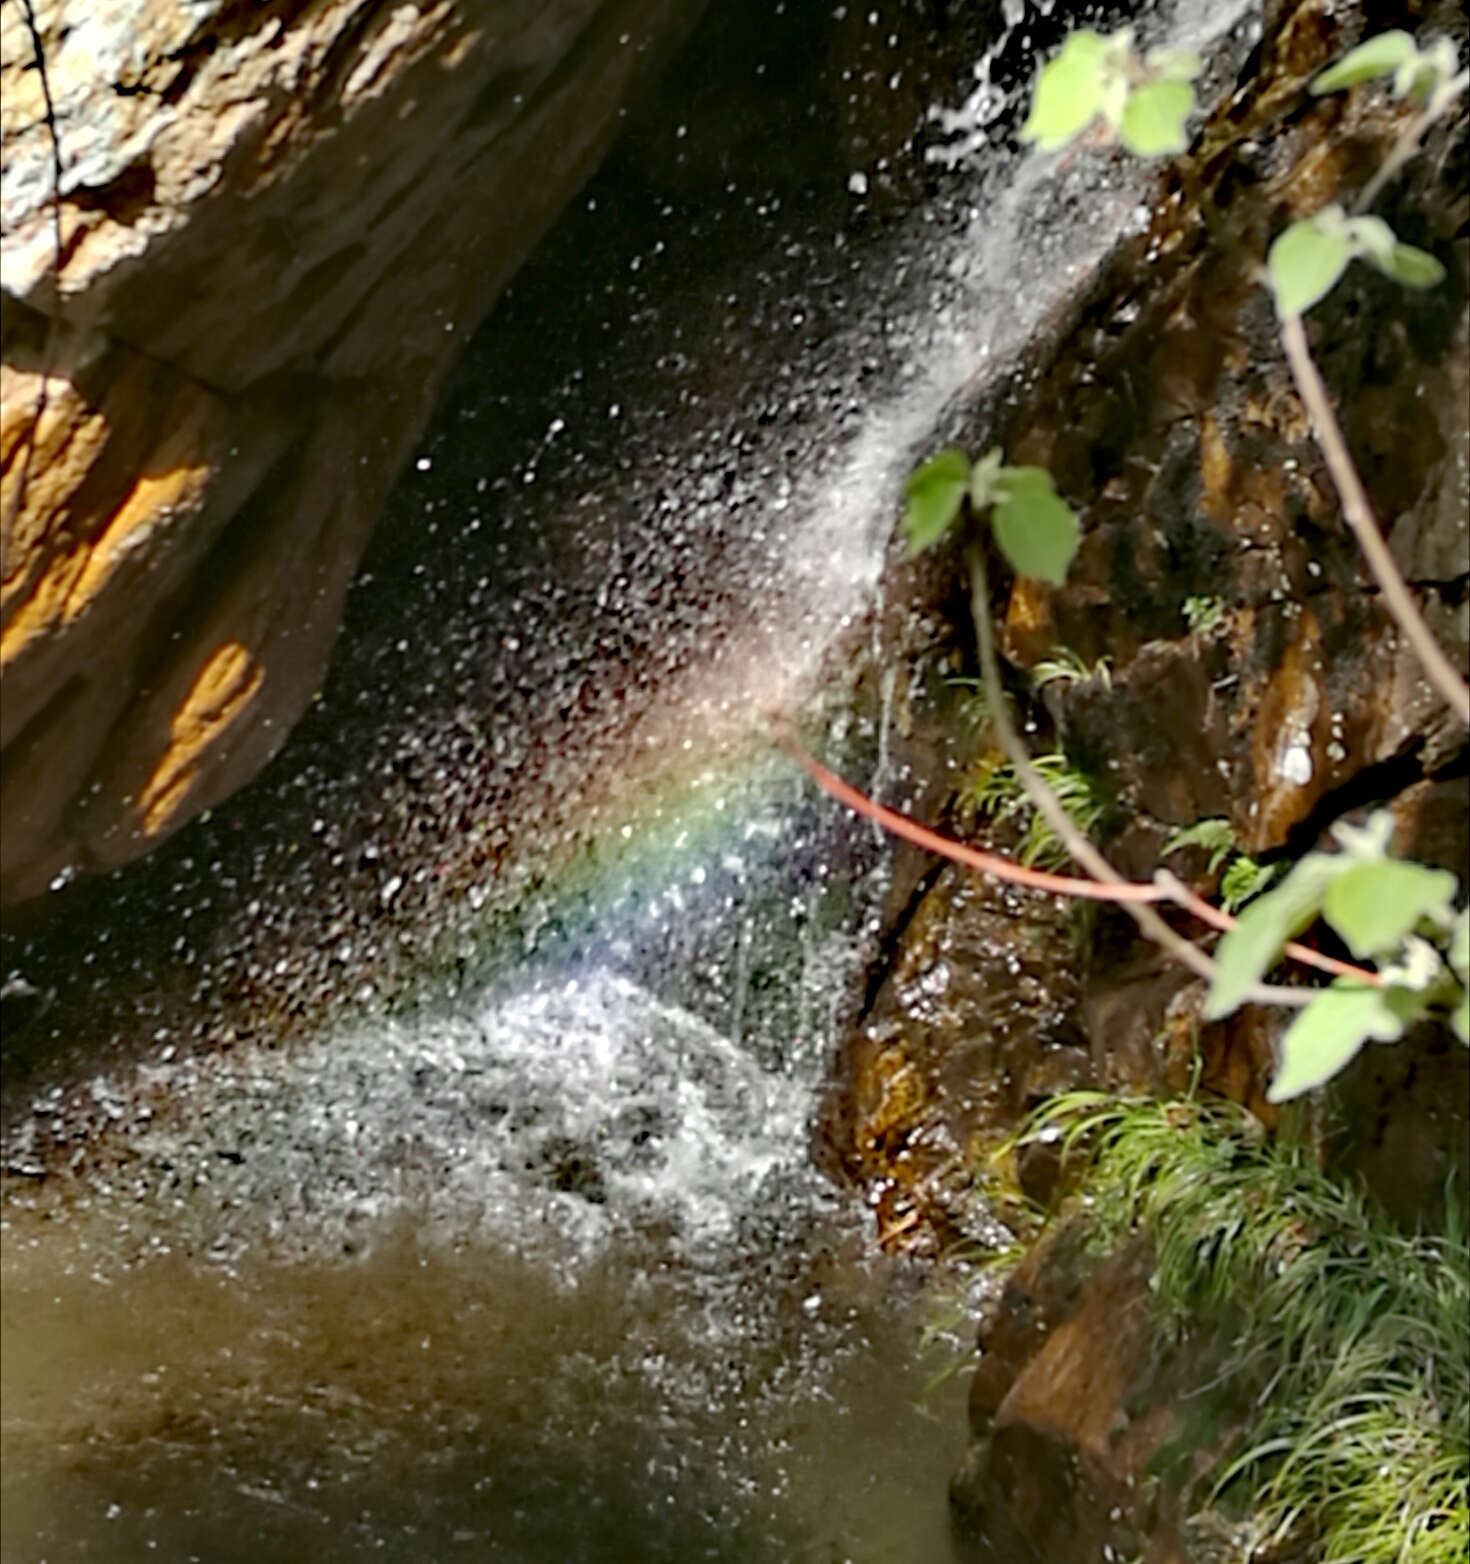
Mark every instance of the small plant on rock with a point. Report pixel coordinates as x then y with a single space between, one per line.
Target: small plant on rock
1331 1418
1143 100
1243 878
1397 919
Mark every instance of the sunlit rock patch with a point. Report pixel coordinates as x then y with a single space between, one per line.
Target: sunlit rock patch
211 385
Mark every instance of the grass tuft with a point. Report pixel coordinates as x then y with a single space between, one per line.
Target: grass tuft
998 796
1344 1354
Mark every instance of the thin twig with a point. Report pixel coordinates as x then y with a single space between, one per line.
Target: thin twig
1176 891
910 830
1402 150
1082 851
1164 887
1407 143
1359 515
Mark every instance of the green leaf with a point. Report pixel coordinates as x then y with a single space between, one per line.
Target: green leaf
1459 952
1036 531
1305 263
1153 120
1253 946
1371 238
1413 268
1427 74
1331 1031
936 491
1070 91
1013 481
1173 64
1215 835
1374 905
1244 879
1380 56
1376 242
1460 1018
1433 80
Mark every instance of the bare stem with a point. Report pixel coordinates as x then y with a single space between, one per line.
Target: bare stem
1150 924
1176 891
1359 514
1164 887
1407 143
1402 150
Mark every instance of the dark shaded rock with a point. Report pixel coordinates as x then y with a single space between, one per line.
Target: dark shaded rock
1401 1124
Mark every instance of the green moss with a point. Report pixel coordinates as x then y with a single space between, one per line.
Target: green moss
1342 1345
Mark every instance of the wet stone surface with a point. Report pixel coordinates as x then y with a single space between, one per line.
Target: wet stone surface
1232 660
1165 410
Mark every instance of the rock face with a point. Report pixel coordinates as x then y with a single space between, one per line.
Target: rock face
1069 1405
1251 675
276 224
1281 698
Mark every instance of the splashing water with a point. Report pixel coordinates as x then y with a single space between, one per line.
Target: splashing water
424 1137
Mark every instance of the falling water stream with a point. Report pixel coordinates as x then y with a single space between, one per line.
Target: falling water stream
412 1161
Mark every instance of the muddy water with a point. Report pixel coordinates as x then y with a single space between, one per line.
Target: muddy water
543 1273
412 1161
433 1404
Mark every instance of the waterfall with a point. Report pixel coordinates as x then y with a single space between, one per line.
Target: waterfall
429 1126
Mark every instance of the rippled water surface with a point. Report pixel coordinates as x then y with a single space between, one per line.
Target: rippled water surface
468 1400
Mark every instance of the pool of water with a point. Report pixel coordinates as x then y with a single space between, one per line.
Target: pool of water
549 1279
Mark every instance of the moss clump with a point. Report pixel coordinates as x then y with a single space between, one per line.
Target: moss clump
1339 1357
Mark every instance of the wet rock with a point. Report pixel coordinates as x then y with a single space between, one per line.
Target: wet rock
1402 1125
1250 671
972 1025
263 222
1039 1295
1069 1417
1252 675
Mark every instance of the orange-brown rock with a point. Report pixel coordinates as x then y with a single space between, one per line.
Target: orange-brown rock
1072 1399
275 223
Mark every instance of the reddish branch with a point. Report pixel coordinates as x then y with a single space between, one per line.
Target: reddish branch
1165 888
988 863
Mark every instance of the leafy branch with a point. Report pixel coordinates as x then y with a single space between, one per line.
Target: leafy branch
1427 78
1146 102
1358 513
1305 263
1411 949
1142 100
